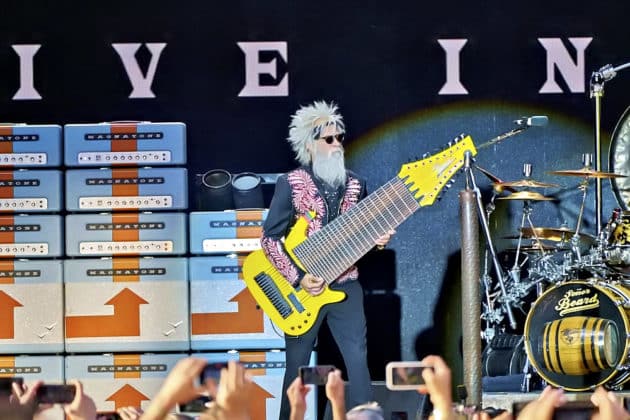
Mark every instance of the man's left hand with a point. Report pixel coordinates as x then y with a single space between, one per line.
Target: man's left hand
383 240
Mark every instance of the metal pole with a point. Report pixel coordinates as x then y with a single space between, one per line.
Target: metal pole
471 308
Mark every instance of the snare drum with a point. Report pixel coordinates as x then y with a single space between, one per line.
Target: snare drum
576 335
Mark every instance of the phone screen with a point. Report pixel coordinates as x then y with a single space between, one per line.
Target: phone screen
198 405
56 394
315 375
212 371
6 387
108 415
408 375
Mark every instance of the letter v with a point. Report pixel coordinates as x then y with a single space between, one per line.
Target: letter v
141 84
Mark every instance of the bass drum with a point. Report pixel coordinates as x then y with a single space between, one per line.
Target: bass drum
576 335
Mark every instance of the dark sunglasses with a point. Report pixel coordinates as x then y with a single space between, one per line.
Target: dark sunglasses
341 137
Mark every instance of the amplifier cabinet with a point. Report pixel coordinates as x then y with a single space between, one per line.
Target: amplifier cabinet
23 146
223 313
31 236
31 304
125 144
30 191
119 380
126 234
224 232
126 189
126 304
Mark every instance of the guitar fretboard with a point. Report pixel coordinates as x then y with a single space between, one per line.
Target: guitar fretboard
338 245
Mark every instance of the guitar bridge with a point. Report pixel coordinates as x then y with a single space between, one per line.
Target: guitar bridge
273 293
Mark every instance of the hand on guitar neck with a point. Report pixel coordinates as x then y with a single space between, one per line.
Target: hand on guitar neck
313 285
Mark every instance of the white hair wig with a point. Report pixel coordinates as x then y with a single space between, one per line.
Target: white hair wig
307 125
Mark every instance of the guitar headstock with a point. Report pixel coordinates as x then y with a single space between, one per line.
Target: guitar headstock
426 177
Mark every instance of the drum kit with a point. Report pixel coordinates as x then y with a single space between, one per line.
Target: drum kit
573 289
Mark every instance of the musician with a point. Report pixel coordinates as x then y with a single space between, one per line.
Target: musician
321 185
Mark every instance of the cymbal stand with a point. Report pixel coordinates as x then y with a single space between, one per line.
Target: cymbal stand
470 183
575 240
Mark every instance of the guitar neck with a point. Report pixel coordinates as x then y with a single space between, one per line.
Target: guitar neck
338 245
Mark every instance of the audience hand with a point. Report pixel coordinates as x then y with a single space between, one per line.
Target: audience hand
336 394
610 407
129 413
438 385
233 394
178 387
544 406
82 407
296 392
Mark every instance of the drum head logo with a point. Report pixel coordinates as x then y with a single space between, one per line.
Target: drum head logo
577 300
570 335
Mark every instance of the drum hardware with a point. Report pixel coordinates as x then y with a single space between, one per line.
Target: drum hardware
481 210
598 78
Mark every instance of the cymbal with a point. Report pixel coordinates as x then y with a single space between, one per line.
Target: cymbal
587 173
560 234
527 183
533 248
495 179
526 195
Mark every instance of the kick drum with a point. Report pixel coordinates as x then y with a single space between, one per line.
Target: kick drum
576 335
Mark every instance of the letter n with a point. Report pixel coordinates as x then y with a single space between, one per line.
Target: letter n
558 57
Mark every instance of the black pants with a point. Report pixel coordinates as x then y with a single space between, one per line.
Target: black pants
346 321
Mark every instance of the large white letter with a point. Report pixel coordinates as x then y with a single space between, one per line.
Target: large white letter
141 84
27 87
254 68
453 85
558 56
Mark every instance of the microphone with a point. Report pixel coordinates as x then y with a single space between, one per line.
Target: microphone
533 121
606 73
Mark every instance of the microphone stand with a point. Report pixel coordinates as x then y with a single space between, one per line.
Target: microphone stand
598 78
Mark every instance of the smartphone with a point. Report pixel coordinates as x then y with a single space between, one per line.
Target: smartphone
108 415
404 376
198 405
571 410
56 394
315 375
212 371
6 387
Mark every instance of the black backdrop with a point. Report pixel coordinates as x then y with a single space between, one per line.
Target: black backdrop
383 64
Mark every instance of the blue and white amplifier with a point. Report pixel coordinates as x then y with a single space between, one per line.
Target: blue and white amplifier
25 236
23 145
126 189
225 232
126 304
223 313
31 303
267 372
125 143
115 381
26 191
125 234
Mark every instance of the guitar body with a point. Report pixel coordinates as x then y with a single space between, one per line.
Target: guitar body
294 311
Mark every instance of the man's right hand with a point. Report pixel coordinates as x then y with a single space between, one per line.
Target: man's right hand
313 285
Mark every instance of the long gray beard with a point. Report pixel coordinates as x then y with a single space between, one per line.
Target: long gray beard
331 170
